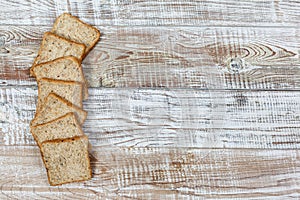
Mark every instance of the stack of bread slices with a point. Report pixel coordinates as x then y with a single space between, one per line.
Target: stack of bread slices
56 126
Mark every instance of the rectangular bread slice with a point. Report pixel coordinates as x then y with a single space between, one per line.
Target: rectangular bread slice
74 29
67 160
63 127
69 90
55 107
66 68
54 46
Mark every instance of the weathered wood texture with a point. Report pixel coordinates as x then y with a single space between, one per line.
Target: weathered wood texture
159 173
216 115
206 58
169 118
155 13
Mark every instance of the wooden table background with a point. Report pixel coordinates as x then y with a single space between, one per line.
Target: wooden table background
188 99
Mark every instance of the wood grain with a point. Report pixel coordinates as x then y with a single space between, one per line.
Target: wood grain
189 100
159 173
176 57
152 13
169 118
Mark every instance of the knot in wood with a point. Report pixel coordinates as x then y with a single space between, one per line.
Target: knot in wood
235 65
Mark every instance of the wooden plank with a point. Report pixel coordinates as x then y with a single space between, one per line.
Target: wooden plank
173 57
151 13
25 178
224 124
169 118
159 173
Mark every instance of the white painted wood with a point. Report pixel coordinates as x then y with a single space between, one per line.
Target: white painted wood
173 57
156 13
159 173
216 115
169 118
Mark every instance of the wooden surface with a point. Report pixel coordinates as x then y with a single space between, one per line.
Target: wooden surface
188 99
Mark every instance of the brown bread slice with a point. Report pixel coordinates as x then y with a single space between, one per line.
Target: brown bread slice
55 107
66 68
69 90
63 127
54 46
67 160
74 29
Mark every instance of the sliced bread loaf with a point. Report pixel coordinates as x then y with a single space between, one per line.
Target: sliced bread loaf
54 46
61 128
55 107
66 160
74 29
69 90
66 68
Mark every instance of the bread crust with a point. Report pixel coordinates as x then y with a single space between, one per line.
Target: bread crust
60 82
57 59
67 103
70 39
88 49
60 38
67 140
78 65
32 128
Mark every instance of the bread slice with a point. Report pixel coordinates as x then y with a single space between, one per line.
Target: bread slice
55 107
66 68
69 90
66 160
54 46
61 128
74 29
